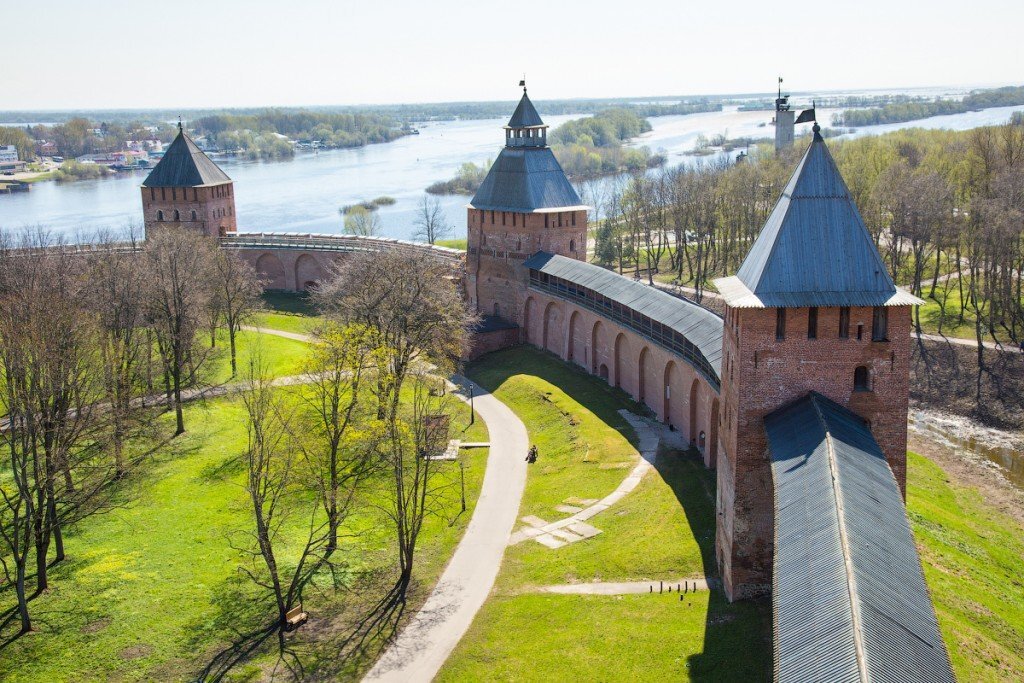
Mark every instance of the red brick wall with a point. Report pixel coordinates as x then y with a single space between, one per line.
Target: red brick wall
214 208
760 375
499 242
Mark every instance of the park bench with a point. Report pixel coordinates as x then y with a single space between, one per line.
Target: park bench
294 618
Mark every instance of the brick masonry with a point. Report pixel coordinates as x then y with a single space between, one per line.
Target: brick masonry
761 374
209 209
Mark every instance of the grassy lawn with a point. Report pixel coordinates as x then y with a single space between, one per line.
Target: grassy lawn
283 357
151 590
664 529
286 311
453 243
972 556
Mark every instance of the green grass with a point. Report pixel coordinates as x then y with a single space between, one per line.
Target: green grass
664 529
283 357
572 419
971 555
287 311
460 244
151 590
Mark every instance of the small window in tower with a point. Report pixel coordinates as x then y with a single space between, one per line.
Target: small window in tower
844 322
177 216
159 215
812 322
572 245
193 216
546 220
503 218
152 193
559 220
163 194
860 331
195 194
519 245
497 309
492 217
880 324
574 218
860 379
780 324
174 194
513 220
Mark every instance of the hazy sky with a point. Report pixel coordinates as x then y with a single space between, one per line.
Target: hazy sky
119 53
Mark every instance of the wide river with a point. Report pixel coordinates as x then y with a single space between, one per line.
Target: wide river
304 194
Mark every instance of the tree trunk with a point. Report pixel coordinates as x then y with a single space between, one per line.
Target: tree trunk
231 343
178 414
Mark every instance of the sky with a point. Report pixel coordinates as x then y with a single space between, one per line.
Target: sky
91 54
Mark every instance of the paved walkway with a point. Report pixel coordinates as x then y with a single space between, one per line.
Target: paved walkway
627 587
297 336
574 528
423 646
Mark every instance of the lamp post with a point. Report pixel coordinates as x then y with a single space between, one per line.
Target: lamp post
472 411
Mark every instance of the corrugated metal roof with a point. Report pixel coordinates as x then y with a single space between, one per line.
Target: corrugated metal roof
525 115
185 165
525 179
814 249
737 295
701 327
850 602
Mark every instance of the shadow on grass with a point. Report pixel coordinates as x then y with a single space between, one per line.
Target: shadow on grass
494 369
737 637
296 303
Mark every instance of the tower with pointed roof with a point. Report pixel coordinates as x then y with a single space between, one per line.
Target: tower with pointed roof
811 309
524 205
187 189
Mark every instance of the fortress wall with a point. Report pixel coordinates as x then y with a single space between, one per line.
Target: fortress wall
652 375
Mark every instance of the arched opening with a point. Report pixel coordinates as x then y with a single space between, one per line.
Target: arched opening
570 346
307 269
712 454
603 372
160 215
669 370
177 216
596 343
620 341
694 388
572 245
642 376
193 216
309 285
528 315
861 379
271 271
552 318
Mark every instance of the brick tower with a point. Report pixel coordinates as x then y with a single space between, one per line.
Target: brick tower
812 308
524 205
189 190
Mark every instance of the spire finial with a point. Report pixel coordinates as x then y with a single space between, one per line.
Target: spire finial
522 83
180 128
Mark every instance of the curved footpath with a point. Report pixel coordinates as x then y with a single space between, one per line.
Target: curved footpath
423 646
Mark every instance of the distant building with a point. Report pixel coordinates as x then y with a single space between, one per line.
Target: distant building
188 189
8 153
45 148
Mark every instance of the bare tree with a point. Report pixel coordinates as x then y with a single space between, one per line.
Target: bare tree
237 291
430 220
177 294
363 222
271 466
337 460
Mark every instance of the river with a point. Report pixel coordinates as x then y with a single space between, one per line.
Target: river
304 194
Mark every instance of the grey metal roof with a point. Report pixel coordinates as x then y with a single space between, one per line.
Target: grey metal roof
850 602
525 115
526 179
814 249
700 326
185 165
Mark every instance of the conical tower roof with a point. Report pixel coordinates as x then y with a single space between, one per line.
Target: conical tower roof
814 249
525 115
185 165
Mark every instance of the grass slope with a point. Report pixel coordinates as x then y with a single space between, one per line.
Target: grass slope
971 555
662 530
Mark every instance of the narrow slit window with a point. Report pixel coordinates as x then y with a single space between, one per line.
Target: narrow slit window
812 322
844 322
880 324
860 379
780 324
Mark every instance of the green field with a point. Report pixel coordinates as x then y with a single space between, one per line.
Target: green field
664 529
972 556
152 589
